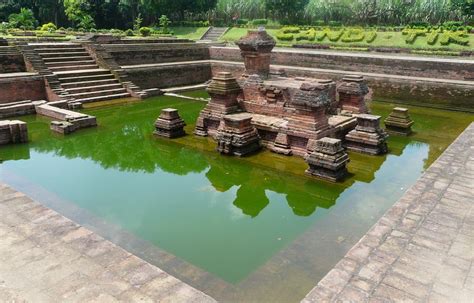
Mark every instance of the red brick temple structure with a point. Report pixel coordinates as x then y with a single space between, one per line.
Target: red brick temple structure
286 112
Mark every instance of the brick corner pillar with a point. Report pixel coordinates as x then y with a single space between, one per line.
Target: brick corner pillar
256 48
351 92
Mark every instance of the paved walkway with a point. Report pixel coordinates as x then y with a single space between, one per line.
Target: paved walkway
45 257
422 249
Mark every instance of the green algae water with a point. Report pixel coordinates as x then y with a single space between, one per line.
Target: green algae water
240 229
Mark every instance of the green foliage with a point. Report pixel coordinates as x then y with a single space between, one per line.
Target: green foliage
371 36
432 37
145 31
353 35
459 37
48 27
308 35
333 36
285 37
412 34
25 19
130 33
137 23
259 22
290 29
164 24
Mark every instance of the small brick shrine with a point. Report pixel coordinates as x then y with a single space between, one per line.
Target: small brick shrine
367 137
237 136
328 160
169 124
399 122
286 112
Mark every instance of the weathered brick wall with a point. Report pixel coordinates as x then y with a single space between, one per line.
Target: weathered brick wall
170 75
12 63
454 95
22 88
459 69
135 54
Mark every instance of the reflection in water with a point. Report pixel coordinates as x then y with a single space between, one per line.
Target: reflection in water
228 216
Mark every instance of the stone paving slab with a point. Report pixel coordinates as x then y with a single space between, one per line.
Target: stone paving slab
45 257
422 249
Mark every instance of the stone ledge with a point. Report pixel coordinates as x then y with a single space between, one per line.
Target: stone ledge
421 249
47 257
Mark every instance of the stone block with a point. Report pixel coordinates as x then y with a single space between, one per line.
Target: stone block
13 131
399 122
367 137
169 124
236 135
328 160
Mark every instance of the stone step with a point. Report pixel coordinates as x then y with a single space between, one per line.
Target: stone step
60 50
86 89
69 63
59 59
98 93
78 79
54 45
94 82
69 54
72 67
103 98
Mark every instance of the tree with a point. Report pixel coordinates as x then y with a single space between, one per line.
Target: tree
25 19
164 23
77 11
290 10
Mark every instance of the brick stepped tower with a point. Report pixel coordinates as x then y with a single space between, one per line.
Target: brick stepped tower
78 73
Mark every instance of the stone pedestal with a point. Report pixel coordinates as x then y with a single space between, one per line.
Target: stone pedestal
328 160
399 122
352 91
367 137
282 145
13 131
236 135
169 124
256 49
224 91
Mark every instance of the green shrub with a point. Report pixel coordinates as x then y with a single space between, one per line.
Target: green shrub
371 36
129 33
335 23
25 19
412 34
93 30
259 22
432 37
284 37
353 35
290 30
333 36
48 27
319 23
308 35
145 31
242 21
459 37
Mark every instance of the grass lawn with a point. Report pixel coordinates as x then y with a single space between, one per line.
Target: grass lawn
193 33
384 39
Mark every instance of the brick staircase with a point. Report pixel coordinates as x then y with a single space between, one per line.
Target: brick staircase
77 73
214 33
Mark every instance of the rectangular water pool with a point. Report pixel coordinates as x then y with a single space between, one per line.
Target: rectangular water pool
240 229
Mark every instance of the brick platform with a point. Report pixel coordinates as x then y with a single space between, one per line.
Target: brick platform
45 257
422 249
